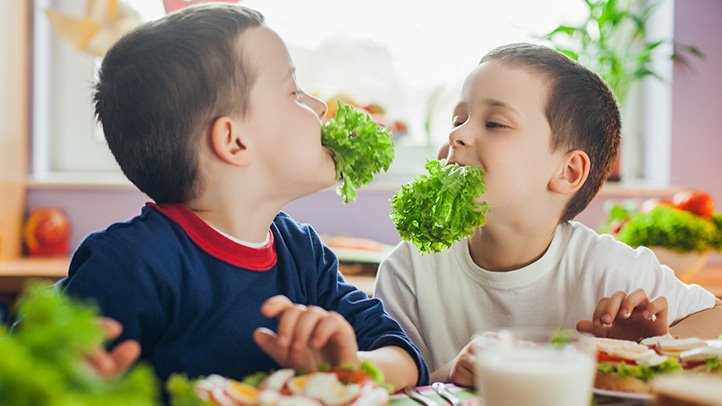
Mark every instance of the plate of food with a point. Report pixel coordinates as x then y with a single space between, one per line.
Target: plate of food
628 369
334 387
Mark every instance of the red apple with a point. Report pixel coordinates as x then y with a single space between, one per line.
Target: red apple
47 232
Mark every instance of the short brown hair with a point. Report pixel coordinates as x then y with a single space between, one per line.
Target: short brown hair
161 84
581 110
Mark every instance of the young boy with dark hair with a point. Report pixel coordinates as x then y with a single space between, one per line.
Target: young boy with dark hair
545 130
202 111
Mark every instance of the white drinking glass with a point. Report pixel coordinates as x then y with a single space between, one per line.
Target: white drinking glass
534 366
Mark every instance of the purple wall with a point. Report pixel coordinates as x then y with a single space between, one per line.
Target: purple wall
696 152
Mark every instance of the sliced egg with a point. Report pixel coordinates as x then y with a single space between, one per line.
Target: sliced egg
297 401
277 380
242 392
297 385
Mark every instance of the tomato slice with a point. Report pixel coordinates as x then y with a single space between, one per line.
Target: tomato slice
604 357
357 377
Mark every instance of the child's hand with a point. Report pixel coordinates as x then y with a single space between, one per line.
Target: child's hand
308 337
117 362
462 370
628 317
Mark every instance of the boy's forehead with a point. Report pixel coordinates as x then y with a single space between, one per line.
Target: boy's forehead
511 85
265 51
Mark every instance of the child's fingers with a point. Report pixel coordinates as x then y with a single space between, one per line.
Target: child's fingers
607 309
633 300
101 362
305 325
111 328
275 305
657 308
590 327
124 355
287 324
267 340
331 324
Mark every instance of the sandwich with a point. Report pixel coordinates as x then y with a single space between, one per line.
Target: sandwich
628 366
693 354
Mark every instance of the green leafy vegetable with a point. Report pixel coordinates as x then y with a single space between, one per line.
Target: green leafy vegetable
41 363
436 210
361 148
182 392
670 228
562 337
671 365
713 364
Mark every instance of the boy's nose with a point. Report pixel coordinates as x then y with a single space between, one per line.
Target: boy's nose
459 137
317 105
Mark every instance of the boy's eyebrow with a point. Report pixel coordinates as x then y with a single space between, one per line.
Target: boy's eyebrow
499 103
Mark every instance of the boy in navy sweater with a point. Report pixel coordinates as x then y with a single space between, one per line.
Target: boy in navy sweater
203 114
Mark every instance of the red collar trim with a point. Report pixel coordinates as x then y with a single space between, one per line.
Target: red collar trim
217 245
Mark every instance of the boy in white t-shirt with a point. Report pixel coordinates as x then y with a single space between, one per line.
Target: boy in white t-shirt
546 131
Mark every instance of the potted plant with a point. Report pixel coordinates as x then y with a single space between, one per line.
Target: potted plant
612 41
682 232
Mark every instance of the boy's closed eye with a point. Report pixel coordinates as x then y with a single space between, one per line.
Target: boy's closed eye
494 124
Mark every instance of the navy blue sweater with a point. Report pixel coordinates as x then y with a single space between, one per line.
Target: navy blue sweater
192 297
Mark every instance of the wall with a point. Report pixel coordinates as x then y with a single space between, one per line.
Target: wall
695 160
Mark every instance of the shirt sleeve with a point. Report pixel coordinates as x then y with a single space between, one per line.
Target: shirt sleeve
632 269
373 326
107 273
395 287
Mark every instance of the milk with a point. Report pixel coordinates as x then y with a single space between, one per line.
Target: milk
535 376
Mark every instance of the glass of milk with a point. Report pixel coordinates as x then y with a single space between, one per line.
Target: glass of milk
534 366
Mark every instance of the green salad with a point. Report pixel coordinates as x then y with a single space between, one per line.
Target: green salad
436 210
664 226
42 361
361 148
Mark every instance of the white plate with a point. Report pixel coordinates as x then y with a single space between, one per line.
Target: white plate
624 395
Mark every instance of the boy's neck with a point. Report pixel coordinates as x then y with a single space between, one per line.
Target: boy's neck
508 248
241 219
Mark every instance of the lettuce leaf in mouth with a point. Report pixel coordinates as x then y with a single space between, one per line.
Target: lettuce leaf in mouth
436 210
360 146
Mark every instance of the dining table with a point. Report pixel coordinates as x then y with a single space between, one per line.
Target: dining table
468 397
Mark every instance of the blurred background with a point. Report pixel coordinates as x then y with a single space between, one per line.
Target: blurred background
402 60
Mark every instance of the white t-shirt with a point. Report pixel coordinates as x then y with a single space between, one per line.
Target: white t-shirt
441 300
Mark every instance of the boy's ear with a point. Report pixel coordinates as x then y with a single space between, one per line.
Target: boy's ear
572 174
228 141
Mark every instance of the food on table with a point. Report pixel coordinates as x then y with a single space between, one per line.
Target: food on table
436 210
687 223
336 387
361 148
629 366
688 390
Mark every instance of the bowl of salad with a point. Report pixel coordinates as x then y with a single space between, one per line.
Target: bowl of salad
683 231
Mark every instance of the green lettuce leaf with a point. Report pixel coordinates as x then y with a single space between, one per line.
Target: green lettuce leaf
42 361
436 210
671 365
361 148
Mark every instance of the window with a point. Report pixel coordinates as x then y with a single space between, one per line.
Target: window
409 57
